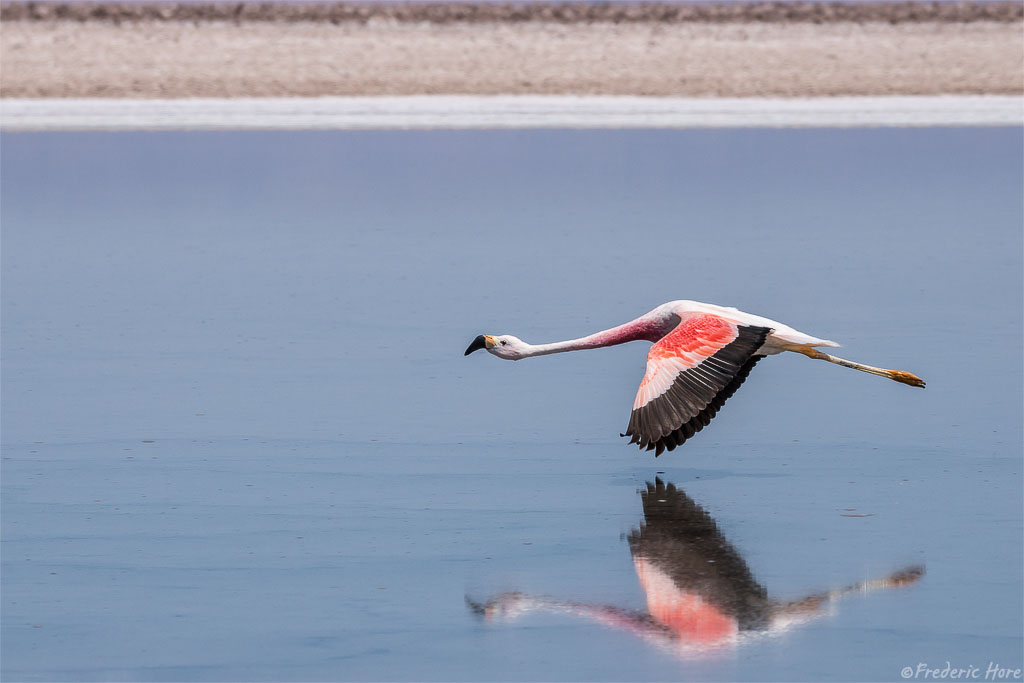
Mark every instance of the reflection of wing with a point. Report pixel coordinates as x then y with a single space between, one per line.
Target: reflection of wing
694 579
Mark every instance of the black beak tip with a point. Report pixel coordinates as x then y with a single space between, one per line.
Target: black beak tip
478 343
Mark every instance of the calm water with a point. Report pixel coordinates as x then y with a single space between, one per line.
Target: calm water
241 442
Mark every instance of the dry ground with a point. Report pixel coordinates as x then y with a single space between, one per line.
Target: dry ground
215 57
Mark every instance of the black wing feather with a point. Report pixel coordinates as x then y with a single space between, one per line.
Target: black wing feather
696 395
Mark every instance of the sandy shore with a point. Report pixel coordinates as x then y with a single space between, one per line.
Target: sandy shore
54 56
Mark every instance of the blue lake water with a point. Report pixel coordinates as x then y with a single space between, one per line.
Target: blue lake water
241 441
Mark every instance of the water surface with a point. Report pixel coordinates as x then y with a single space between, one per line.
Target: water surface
241 441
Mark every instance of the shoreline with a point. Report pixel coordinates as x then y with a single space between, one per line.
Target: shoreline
425 112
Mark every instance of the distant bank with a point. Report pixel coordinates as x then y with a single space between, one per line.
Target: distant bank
775 50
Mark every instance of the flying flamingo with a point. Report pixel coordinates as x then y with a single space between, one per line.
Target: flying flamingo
701 355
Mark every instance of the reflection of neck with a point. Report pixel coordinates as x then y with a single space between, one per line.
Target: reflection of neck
638 329
630 620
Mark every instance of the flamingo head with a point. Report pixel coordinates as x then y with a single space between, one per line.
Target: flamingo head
503 346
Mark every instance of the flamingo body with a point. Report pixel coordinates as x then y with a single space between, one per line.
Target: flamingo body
701 355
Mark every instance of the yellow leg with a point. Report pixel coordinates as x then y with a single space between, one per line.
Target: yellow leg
900 376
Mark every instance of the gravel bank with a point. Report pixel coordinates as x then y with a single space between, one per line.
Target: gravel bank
50 54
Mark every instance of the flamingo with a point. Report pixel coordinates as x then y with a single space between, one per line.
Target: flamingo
701 355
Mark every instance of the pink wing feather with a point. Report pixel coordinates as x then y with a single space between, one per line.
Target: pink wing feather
690 373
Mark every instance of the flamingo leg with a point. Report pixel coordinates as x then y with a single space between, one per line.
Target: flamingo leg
900 376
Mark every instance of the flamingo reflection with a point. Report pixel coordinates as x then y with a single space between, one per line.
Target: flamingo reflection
700 593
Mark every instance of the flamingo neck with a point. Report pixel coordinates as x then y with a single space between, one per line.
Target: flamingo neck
640 328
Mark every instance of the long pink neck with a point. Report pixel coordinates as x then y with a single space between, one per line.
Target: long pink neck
642 328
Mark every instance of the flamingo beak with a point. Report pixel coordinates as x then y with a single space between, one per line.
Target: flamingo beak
484 341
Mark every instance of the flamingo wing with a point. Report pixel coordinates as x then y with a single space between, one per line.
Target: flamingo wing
691 372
